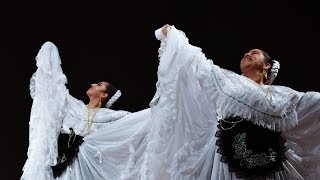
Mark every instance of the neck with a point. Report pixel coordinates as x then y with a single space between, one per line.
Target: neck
93 103
256 77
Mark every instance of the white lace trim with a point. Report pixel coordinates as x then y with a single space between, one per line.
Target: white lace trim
47 88
161 108
270 106
77 114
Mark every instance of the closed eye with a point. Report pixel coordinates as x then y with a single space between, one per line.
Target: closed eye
255 52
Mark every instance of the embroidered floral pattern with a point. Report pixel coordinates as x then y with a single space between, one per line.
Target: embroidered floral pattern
246 156
251 151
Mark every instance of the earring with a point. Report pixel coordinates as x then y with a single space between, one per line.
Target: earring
99 103
265 74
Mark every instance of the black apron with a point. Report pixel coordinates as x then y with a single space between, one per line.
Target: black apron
251 151
68 148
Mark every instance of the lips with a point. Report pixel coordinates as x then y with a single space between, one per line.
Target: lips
246 59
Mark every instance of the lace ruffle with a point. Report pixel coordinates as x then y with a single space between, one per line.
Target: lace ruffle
250 101
174 53
77 114
47 88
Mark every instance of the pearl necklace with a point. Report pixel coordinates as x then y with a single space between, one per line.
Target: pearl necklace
91 114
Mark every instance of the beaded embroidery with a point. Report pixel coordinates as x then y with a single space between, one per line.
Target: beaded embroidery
246 156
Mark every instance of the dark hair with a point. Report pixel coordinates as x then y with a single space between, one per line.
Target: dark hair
267 59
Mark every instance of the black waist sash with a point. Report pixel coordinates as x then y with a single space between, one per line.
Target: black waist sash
68 147
251 151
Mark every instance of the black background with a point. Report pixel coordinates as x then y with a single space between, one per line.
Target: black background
115 42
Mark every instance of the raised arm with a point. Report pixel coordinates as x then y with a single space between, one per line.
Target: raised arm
50 96
175 51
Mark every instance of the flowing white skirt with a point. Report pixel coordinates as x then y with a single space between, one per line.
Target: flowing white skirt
109 153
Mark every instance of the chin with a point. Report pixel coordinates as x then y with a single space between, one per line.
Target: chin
242 69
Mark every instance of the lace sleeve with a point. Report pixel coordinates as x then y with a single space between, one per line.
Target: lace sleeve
32 85
175 52
304 137
169 48
49 93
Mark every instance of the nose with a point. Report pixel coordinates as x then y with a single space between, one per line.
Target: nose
93 85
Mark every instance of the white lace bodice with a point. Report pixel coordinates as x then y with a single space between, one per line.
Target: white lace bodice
233 94
76 117
52 109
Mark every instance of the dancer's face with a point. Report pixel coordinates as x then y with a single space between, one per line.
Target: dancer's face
252 61
98 90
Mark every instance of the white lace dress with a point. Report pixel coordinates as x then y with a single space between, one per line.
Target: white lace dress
175 139
193 94
105 152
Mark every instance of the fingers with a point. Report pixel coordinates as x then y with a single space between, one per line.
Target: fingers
165 29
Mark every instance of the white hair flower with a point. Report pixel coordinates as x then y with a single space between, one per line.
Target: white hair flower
273 72
113 99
